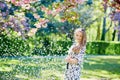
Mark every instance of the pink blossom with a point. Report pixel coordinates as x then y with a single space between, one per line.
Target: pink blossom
26 1
32 32
58 10
71 1
38 25
43 21
117 10
43 8
79 1
33 1
47 20
36 16
54 14
49 12
18 3
63 20
13 1
63 7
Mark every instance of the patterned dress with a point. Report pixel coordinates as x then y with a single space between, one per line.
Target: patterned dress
73 71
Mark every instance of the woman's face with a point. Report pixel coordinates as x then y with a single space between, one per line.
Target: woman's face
78 36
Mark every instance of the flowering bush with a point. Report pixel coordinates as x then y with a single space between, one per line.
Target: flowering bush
21 14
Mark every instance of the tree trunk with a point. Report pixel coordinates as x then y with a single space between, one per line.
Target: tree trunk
104 23
113 38
104 29
118 35
98 32
109 36
119 31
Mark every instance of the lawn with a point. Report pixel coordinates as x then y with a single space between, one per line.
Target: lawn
52 68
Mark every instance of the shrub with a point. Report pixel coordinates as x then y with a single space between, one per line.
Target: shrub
102 47
12 46
51 45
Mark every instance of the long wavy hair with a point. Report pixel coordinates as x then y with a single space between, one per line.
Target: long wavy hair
84 38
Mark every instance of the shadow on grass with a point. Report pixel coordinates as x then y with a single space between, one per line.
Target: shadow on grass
97 66
20 72
27 69
51 68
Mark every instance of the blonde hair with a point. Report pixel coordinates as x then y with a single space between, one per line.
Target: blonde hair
84 39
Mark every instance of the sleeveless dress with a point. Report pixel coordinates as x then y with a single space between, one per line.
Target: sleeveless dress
73 71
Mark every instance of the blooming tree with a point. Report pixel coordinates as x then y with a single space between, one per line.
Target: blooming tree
114 14
13 14
13 18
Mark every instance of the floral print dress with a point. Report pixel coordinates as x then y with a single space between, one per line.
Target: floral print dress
73 71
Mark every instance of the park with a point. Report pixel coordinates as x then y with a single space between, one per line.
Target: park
35 36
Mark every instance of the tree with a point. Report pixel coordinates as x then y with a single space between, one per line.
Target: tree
115 15
21 14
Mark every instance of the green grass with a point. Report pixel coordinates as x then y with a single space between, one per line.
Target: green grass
52 68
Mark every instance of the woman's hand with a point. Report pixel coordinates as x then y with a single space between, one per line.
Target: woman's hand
67 59
71 60
76 49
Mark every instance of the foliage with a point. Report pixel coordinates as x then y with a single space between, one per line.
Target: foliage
12 18
21 15
114 12
51 45
103 48
13 46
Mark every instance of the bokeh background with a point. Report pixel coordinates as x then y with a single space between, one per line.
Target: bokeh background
35 36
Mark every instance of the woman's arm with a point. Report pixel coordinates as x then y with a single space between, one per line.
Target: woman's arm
71 60
77 59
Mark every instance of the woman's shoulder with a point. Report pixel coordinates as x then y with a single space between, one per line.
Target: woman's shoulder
84 47
71 47
82 51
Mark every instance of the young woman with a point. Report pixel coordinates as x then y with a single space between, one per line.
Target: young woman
75 55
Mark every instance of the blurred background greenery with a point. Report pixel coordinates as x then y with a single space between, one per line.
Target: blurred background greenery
57 36
31 51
